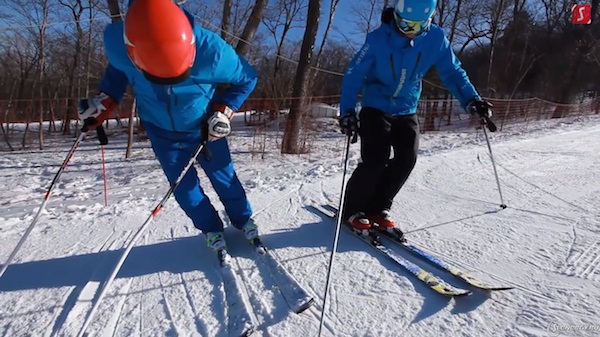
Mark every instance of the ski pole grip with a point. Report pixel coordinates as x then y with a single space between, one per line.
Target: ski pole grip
99 129
491 126
101 135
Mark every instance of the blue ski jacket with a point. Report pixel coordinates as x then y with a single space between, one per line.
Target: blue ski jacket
389 68
183 106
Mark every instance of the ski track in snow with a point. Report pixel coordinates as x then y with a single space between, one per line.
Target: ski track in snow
546 243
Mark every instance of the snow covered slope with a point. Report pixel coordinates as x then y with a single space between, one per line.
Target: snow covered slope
546 243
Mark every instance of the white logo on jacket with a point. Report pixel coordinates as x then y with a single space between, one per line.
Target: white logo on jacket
401 84
360 57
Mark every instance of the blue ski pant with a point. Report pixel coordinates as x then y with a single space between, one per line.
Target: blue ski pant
174 150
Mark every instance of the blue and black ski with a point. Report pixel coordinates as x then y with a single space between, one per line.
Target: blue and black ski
398 238
372 239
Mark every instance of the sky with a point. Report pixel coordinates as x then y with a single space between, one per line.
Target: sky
341 22
344 21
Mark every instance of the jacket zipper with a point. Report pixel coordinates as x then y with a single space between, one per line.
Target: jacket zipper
392 65
169 91
416 65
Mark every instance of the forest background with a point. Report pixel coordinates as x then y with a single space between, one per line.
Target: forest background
526 56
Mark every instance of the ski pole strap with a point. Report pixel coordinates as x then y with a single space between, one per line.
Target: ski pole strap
101 135
206 153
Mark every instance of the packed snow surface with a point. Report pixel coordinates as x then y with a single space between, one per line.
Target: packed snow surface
546 243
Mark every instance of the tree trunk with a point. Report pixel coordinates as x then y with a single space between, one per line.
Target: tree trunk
258 11
226 19
332 10
41 66
293 122
317 61
115 11
454 24
566 90
6 135
496 18
130 130
28 113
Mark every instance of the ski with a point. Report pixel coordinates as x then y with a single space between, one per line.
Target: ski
239 319
466 277
419 252
294 294
372 239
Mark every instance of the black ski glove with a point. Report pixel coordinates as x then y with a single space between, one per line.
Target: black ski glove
480 108
349 123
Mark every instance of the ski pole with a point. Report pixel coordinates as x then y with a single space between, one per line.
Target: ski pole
337 229
46 198
104 175
487 122
129 246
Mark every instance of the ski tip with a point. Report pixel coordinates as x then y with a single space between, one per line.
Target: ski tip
258 246
249 331
224 257
496 288
305 306
460 293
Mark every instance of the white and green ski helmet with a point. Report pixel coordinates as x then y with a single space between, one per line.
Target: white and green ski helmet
413 16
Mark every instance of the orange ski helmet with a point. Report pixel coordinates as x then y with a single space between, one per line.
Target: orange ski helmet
160 40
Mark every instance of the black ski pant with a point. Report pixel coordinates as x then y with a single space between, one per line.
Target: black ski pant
378 178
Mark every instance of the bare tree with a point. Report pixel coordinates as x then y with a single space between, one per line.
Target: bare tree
226 19
497 10
77 8
115 10
208 16
554 11
472 26
293 123
252 24
332 9
448 15
240 15
368 13
280 19
35 18
92 11
317 60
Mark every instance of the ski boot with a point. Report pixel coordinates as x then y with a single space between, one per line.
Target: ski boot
216 242
250 230
360 223
384 223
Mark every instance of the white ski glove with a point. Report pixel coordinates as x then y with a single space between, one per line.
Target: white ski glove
94 110
219 125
